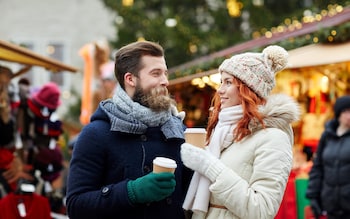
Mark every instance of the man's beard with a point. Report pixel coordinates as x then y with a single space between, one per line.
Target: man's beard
157 99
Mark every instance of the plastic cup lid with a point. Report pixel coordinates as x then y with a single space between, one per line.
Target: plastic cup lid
196 130
165 162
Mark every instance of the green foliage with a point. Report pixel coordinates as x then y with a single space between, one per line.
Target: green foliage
200 28
204 27
73 112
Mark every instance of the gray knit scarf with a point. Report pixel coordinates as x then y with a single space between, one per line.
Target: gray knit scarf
128 116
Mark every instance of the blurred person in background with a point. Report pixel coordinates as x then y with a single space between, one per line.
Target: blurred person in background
107 83
329 180
9 165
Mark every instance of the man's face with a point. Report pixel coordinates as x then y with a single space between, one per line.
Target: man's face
151 87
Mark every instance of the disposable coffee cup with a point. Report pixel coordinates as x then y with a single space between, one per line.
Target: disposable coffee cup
163 164
195 136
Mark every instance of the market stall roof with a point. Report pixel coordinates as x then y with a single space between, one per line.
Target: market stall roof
319 54
13 53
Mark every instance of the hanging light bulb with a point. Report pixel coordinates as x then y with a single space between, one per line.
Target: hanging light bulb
258 2
128 3
234 8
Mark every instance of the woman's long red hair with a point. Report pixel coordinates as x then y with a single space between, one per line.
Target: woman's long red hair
250 102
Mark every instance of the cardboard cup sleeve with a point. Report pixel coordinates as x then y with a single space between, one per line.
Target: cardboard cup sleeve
163 164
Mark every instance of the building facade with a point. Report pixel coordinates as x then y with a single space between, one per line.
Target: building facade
56 29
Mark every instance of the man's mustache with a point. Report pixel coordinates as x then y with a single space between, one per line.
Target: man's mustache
160 91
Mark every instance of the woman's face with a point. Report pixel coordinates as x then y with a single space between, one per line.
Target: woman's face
228 91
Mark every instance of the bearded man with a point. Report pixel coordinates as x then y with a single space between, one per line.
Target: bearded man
111 172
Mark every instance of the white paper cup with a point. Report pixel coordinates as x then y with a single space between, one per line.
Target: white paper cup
163 164
195 136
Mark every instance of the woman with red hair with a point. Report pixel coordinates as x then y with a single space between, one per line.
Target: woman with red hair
243 170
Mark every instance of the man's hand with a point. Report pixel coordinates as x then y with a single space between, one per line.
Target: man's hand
151 187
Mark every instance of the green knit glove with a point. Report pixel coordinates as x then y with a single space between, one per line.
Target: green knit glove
151 187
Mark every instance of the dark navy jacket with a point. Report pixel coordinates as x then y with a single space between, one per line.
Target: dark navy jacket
329 179
103 161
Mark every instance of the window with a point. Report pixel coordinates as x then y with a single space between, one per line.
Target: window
55 51
29 74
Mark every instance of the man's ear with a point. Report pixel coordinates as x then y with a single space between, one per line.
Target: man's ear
130 79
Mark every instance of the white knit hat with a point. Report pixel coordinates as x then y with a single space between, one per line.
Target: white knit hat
257 70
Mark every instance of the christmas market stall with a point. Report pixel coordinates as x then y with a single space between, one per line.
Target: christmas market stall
316 76
30 131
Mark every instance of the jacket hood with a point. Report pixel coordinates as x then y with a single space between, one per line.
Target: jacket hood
99 114
279 112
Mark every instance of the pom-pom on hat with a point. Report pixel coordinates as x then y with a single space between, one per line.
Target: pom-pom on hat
257 70
341 104
48 96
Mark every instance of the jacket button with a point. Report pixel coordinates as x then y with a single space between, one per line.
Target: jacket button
169 201
105 191
336 162
143 138
146 169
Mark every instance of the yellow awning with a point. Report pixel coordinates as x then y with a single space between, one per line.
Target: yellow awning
319 54
13 53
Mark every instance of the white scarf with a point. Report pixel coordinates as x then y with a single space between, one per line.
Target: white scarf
197 198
